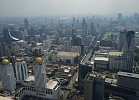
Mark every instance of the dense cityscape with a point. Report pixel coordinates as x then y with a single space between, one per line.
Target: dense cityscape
70 57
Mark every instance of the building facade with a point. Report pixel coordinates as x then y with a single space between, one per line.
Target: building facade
21 70
7 76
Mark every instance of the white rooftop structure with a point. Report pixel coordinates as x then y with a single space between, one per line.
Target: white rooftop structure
101 59
51 84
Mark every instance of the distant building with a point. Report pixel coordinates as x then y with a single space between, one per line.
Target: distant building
7 76
92 29
129 41
127 44
66 46
84 28
121 41
8 40
26 24
116 60
128 49
76 49
68 57
21 70
119 16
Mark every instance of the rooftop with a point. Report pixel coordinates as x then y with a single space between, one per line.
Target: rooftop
69 54
5 98
115 53
126 74
101 59
51 84
30 78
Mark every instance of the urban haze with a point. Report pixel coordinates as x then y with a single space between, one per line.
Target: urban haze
69 50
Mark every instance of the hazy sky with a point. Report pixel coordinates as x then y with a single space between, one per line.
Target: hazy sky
66 7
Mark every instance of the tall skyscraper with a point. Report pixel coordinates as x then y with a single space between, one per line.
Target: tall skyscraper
128 49
67 46
126 44
26 24
119 16
129 41
92 29
84 27
7 40
40 75
7 76
21 70
121 40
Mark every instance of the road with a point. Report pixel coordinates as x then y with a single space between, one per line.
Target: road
69 86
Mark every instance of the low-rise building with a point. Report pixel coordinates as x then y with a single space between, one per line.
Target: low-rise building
67 57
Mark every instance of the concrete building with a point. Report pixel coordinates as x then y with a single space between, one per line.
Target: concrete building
84 69
7 76
129 41
93 87
47 44
128 80
38 85
39 75
136 38
26 23
128 49
7 49
121 40
67 46
84 28
21 70
115 60
101 60
98 87
76 49
67 57
127 44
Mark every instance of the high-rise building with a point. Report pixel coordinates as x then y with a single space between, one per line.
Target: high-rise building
92 29
7 41
84 69
84 28
128 49
67 46
126 44
26 24
21 70
73 22
129 41
40 75
93 87
119 16
7 76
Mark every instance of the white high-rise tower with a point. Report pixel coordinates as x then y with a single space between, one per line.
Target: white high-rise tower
40 74
7 76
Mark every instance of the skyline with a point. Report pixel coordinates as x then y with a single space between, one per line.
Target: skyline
18 8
